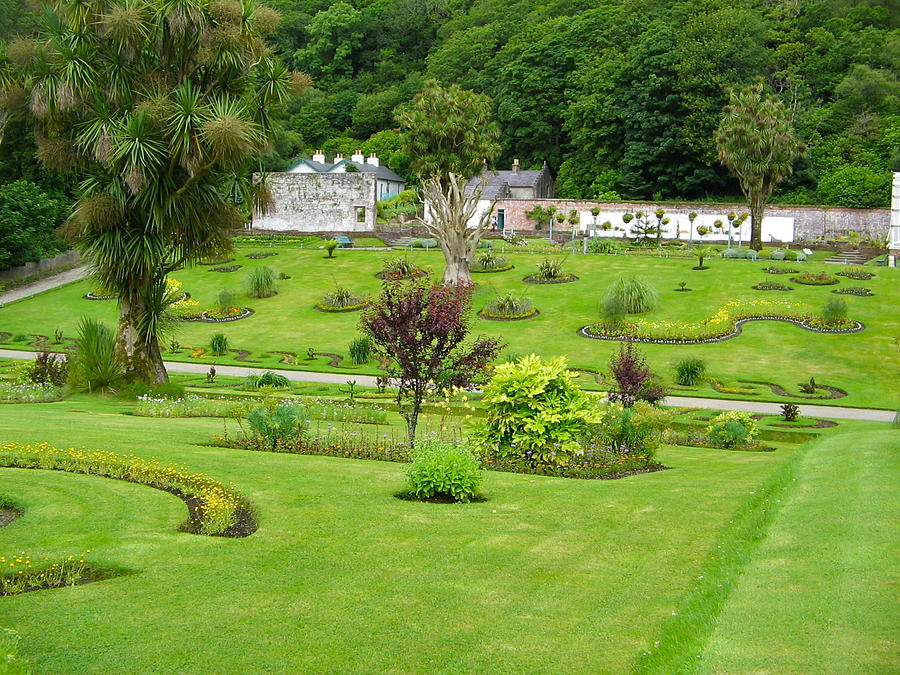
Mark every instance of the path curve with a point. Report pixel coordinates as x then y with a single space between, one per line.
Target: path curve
807 410
42 285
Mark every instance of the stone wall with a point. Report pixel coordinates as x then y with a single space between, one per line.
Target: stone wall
45 267
808 222
319 202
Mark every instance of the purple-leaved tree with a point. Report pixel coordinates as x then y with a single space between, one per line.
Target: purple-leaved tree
633 378
422 329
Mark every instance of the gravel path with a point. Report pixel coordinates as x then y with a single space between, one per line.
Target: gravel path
807 410
42 285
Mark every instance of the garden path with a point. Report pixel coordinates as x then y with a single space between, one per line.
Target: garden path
42 285
807 410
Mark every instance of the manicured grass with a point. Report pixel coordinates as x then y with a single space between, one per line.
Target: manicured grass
860 363
341 575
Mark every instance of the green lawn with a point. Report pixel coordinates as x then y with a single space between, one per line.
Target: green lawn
342 576
862 364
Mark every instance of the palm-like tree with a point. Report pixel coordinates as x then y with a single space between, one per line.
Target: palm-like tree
161 106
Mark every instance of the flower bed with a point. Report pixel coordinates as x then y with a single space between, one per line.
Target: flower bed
334 309
816 279
216 261
856 275
488 270
21 574
90 295
237 406
260 256
212 316
854 290
779 270
593 463
771 286
214 509
485 314
723 325
227 268
417 273
29 393
565 279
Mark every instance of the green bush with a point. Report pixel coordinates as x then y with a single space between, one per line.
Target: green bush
218 344
630 295
360 350
28 220
535 411
732 429
790 256
688 372
279 425
261 282
834 312
444 470
330 245
225 301
604 245
626 431
94 365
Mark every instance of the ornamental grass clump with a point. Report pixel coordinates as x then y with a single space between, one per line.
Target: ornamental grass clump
218 344
488 261
631 295
689 372
261 282
834 313
444 470
508 306
94 366
360 351
339 299
215 509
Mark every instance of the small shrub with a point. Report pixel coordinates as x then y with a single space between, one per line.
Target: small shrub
360 350
688 372
633 378
808 387
218 344
330 245
48 368
732 429
225 301
791 256
441 469
261 282
632 294
340 298
790 412
834 313
550 269
489 261
268 379
398 268
605 245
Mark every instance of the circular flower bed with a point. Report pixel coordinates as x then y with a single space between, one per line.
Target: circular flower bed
815 279
260 256
335 309
227 268
341 300
854 290
845 326
564 279
215 261
508 307
214 316
391 275
771 286
489 262
779 270
90 295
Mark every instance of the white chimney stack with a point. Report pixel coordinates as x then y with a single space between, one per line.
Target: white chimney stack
338 157
372 160
358 157
515 166
319 157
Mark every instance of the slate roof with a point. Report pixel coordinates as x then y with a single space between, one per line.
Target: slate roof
381 172
499 182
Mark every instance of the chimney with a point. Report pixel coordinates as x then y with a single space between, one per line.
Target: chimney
338 157
373 160
319 157
358 157
515 166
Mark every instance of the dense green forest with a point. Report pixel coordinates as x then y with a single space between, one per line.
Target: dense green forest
620 97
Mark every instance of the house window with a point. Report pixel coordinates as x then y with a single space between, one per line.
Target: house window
360 214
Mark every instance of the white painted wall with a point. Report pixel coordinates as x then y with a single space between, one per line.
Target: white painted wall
774 228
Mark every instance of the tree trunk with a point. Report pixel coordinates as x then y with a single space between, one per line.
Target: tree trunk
140 358
756 218
412 420
456 255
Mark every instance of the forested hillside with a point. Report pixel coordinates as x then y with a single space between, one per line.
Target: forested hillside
620 97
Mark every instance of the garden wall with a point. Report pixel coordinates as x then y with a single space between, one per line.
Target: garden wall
45 267
319 202
782 223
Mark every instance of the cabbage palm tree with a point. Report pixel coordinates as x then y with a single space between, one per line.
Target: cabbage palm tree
161 106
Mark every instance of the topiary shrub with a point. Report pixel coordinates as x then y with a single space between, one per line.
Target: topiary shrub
330 245
732 429
631 295
444 470
689 372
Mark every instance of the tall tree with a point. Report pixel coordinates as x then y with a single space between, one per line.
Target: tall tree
160 106
422 329
449 214
756 141
448 130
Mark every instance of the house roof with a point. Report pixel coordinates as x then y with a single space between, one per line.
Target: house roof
381 172
497 183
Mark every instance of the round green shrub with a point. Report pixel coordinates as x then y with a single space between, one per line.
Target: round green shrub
442 469
732 429
688 372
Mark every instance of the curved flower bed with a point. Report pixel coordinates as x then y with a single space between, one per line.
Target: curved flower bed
568 278
858 291
490 270
90 295
333 309
214 509
771 286
205 317
484 314
227 268
723 325
260 256
856 275
417 273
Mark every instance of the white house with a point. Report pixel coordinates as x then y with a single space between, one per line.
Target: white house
387 183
